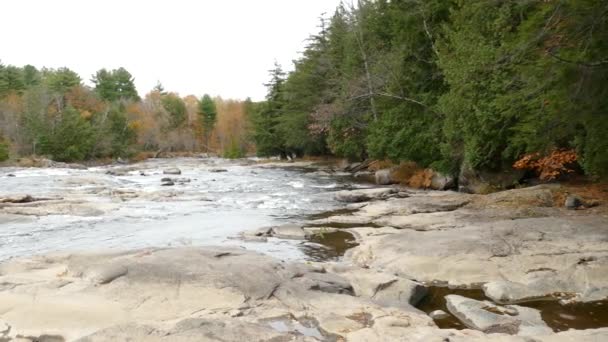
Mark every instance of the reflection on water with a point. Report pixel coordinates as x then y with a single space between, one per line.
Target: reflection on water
328 246
558 317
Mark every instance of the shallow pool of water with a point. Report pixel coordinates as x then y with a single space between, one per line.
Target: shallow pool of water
558 317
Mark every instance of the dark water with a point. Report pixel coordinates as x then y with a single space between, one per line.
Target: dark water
558 317
328 246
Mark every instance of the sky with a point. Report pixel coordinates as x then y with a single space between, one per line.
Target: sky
220 47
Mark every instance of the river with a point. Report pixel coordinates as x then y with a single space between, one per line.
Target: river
129 208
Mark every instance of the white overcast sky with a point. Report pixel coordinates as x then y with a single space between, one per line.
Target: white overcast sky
220 47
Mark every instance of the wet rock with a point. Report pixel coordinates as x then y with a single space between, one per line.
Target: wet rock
343 220
362 195
217 170
172 171
166 181
573 202
118 172
439 314
491 318
288 231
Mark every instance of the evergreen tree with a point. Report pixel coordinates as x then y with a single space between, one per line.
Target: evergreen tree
208 115
115 85
268 139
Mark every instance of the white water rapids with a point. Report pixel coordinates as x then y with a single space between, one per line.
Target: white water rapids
133 210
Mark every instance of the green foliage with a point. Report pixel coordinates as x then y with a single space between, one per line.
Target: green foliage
114 136
266 117
447 84
71 139
115 85
234 151
176 108
4 150
208 115
60 80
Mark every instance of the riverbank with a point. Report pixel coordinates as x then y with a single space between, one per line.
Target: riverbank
514 265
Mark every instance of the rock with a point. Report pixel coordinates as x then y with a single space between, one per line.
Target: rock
362 195
288 231
328 283
445 201
382 288
217 170
10 175
172 171
483 182
439 314
573 202
168 183
442 182
543 255
383 177
490 318
172 181
104 274
118 172
194 330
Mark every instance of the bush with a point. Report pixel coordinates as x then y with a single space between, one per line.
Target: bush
4 151
235 151
556 164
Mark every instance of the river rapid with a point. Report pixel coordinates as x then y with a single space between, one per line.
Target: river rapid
126 206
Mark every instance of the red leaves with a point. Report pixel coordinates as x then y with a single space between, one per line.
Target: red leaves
557 163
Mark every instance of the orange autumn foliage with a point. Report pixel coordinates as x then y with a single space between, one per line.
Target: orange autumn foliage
557 163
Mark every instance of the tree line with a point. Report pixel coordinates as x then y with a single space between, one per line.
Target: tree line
448 84
51 112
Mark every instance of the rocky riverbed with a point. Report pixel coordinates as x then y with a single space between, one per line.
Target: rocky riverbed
331 260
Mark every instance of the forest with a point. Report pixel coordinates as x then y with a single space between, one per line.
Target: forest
51 112
447 84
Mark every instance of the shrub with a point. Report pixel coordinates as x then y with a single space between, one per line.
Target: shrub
4 151
556 164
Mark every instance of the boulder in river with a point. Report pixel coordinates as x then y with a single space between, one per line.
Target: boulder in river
217 170
288 231
172 171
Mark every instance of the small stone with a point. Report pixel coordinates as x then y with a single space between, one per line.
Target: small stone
168 183
439 314
217 170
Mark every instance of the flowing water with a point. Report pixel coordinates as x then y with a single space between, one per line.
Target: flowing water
135 210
